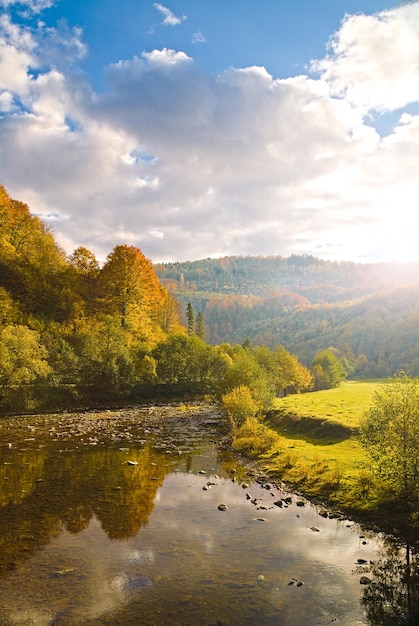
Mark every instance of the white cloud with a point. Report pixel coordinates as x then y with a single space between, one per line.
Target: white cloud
16 58
170 19
34 5
188 165
166 57
198 37
374 60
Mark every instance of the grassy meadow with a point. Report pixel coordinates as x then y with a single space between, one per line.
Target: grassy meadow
344 404
311 441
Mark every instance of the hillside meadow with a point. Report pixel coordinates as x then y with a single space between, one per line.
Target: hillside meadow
344 404
311 442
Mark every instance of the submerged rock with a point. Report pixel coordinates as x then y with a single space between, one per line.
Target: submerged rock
126 583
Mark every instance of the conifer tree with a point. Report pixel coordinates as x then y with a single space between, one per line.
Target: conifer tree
190 319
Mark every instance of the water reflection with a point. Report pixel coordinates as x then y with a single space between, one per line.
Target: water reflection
393 597
75 487
111 521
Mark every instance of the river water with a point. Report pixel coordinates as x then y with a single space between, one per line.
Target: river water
113 518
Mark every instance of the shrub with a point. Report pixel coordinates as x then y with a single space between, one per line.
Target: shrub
239 405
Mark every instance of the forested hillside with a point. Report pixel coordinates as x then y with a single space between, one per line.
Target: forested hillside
77 334
306 277
369 313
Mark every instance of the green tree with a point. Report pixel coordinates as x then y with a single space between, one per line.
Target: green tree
327 370
287 374
390 433
106 362
246 371
361 364
182 359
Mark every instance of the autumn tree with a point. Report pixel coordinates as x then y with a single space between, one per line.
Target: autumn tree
169 313
23 359
200 326
130 288
33 267
86 269
9 311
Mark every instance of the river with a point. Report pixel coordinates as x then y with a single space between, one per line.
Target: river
114 518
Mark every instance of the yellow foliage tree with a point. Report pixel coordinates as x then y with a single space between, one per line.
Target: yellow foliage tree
131 290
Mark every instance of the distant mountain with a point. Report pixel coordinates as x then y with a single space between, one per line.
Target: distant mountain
370 312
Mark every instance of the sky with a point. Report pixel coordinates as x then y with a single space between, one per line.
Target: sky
209 128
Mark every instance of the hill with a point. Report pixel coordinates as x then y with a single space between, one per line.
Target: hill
368 312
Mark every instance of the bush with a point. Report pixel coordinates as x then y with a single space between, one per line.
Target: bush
239 405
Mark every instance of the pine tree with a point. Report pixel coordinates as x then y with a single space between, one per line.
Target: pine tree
190 318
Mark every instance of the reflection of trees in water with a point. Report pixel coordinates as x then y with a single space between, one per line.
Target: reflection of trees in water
392 599
74 488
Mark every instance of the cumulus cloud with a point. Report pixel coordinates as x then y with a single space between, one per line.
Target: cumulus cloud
187 165
374 60
170 19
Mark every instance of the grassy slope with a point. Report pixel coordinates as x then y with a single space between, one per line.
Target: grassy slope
344 404
312 442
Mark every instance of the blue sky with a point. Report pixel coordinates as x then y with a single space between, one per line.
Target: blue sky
210 128
279 35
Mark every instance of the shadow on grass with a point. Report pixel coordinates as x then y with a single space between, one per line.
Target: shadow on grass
313 430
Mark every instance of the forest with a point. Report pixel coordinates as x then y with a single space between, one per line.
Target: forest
367 312
74 334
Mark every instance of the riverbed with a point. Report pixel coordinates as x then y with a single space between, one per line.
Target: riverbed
141 517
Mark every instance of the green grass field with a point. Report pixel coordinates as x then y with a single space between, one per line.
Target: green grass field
344 404
311 441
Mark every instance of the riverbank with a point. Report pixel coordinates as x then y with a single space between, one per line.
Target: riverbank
348 489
